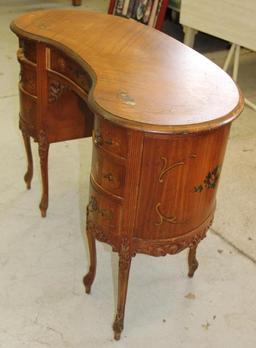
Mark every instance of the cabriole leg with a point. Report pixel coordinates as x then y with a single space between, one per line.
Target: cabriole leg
192 261
29 173
43 149
90 276
123 276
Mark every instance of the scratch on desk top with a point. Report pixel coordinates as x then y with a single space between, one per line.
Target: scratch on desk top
126 98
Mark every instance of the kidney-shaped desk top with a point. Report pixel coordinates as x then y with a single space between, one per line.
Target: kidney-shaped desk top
141 77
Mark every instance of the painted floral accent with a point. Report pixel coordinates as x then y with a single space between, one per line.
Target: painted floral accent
210 180
198 188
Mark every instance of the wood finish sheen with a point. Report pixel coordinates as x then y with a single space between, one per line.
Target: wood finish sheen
142 78
162 116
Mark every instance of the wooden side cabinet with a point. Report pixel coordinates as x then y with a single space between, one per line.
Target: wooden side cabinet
165 212
53 104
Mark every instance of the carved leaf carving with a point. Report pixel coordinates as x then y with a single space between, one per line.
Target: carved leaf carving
56 89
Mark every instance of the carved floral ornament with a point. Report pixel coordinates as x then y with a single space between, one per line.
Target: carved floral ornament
56 89
97 232
93 207
174 246
43 145
125 253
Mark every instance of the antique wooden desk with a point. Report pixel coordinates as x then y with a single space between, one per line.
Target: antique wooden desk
162 115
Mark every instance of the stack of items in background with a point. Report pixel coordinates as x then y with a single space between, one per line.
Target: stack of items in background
150 12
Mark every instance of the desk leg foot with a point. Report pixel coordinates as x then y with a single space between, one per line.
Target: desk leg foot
117 336
29 173
90 276
123 276
43 149
192 261
43 205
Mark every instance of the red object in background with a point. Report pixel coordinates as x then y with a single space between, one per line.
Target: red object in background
111 6
160 19
161 15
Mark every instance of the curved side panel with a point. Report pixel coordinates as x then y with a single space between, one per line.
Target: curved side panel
180 192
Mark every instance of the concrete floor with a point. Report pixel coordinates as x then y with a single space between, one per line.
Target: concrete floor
42 261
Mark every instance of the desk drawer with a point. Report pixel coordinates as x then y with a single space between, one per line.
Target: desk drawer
28 48
28 77
109 137
108 172
104 213
28 108
70 69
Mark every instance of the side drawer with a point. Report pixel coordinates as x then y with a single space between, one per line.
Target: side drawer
28 109
67 67
108 172
104 214
28 48
110 137
27 77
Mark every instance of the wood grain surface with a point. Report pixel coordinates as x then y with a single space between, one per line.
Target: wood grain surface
141 78
162 115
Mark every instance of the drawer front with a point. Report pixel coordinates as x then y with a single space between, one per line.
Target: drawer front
29 49
108 172
28 109
110 137
28 77
104 214
67 67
